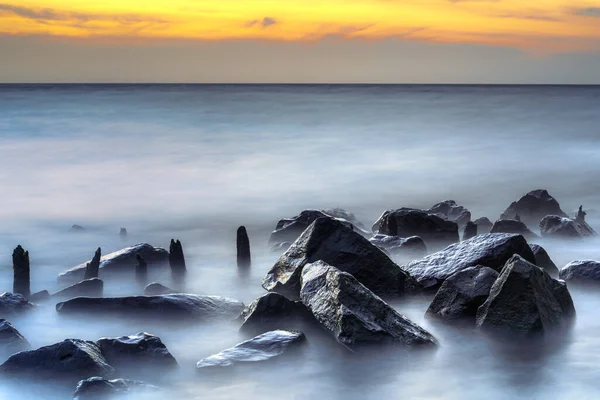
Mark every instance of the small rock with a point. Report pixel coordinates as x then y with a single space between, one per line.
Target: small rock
533 206
177 261
141 351
77 228
21 281
470 230
582 271
42 295
13 303
484 225
11 340
98 388
273 311
404 248
243 248
156 289
452 212
123 233
512 226
543 260
562 227
90 288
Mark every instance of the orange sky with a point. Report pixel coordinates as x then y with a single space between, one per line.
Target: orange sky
540 25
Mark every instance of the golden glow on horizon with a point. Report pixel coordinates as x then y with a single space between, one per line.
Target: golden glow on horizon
545 25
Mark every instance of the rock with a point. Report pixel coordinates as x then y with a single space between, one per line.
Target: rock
451 211
123 233
280 247
556 226
141 271
543 260
491 250
42 295
406 222
333 242
175 306
243 248
406 248
155 289
92 269
69 359
261 348
13 303
525 300
119 262
90 288
534 206
142 351
462 293
11 340
177 261
21 281
352 313
470 230
580 216
77 228
582 271
484 225
98 388
512 226
340 213
273 311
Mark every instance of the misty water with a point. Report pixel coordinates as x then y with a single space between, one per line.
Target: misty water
195 162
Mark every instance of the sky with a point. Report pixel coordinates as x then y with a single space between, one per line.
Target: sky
379 41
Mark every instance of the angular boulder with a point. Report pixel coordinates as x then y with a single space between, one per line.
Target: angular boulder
533 206
484 225
581 271
525 300
141 351
490 250
98 388
543 260
331 241
122 261
273 311
462 293
261 348
567 228
11 340
90 288
470 230
156 289
13 303
408 248
512 226
352 313
451 211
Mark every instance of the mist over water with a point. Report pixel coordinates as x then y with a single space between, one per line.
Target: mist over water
195 162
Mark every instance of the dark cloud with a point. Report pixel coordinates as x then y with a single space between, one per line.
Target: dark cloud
588 12
265 22
530 16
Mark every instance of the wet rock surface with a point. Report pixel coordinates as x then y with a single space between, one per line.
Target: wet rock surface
140 351
13 303
533 206
405 248
451 211
156 289
273 311
11 340
543 260
581 271
562 227
98 388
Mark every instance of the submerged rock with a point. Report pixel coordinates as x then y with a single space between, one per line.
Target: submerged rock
90 287
173 306
484 225
556 226
141 351
243 248
13 303
491 250
583 271
512 226
261 348
409 248
533 206
470 230
42 295
122 261
92 269
123 233
21 283
451 211
98 388
352 313
333 242
543 260
462 293
11 340
525 300
273 311
177 261
77 228
155 289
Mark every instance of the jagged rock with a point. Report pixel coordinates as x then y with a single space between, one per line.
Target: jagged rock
92 269
90 288
176 306
69 359
343 214
556 226
333 242
451 211
280 247
583 271
484 225
525 300
156 289
141 270
21 281
177 261
406 222
98 388
354 314
462 293
141 351
42 295
407 248
491 250
122 261
274 311
77 228
543 260
123 233
243 248
261 348
13 303
470 230
534 206
512 226
11 340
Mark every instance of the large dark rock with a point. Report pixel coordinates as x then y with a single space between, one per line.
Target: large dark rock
582 271
70 359
562 227
21 283
273 311
177 261
119 262
451 211
11 340
484 225
404 248
543 260
156 289
172 306
491 250
98 388
13 303
525 300
406 222
143 351
92 269
261 348
532 207
462 293
243 248
470 230
512 226
333 242
90 288
352 313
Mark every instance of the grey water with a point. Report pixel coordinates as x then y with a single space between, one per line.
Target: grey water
194 162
